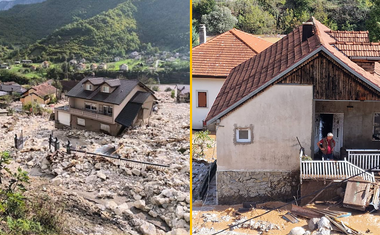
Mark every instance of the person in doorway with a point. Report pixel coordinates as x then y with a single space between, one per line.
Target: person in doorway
326 145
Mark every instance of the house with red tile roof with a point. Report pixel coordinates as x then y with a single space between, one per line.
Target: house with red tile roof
40 94
211 64
311 82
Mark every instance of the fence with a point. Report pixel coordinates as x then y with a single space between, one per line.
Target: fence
365 158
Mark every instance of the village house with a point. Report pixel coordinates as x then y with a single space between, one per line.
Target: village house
67 85
11 88
311 82
212 62
45 64
102 66
80 67
26 61
4 66
182 93
106 105
40 94
123 67
93 67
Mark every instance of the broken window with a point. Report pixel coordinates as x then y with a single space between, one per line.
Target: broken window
202 99
243 135
376 127
81 122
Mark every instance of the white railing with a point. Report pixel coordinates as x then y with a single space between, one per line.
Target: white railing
332 170
365 158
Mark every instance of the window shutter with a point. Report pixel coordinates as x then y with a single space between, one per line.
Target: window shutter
202 99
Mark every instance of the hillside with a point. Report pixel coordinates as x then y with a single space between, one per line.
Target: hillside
164 23
8 4
162 26
24 24
109 33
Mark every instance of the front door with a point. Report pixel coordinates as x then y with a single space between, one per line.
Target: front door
329 122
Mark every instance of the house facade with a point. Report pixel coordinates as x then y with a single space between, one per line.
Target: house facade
309 83
106 105
212 62
41 94
182 93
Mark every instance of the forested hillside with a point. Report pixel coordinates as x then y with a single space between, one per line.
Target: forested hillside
109 33
282 16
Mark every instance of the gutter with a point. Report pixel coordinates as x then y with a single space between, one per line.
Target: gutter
364 58
321 48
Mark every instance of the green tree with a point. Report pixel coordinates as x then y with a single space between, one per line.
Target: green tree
202 7
219 20
373 23
257 21
195 37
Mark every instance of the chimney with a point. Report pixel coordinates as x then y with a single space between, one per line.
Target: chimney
202 33
307 30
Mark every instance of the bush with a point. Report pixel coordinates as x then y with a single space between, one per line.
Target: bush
155 88
173 94
201 142
168 89
34 108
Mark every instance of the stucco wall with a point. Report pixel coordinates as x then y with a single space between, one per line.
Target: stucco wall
357 121
277 116
212 86
30 99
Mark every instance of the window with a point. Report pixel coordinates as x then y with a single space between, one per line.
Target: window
81 122
107 110
376 127
243 135
106 89
90 107
104 127
89 87
202 99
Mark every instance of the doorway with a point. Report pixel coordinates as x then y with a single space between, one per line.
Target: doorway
329 122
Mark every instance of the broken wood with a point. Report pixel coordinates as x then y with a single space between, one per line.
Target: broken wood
304 212
320 192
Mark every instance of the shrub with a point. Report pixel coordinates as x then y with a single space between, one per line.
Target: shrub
201 142
155 88
173 94
168 89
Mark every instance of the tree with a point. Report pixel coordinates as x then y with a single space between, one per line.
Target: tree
195 37
219 20
373 23
257 21
202 7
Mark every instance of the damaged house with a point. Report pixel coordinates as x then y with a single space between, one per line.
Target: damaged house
311 82
106 105
212 62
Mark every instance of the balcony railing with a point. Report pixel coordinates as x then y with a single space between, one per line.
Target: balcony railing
93 115
365 158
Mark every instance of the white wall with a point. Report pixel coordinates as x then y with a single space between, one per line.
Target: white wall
212 86
277 116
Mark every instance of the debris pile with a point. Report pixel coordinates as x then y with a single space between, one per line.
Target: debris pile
140 199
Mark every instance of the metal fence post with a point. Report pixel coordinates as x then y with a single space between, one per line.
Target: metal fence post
50 142
56 144
68 147
16 141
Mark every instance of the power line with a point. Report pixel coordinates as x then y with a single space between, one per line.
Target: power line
315 192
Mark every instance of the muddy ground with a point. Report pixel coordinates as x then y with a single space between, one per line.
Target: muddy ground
106 196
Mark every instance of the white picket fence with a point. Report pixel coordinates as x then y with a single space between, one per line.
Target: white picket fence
365 158
332 170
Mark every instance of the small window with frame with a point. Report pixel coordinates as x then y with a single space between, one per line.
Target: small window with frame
106 89
376 127
89 87
81 122
243 135
202 99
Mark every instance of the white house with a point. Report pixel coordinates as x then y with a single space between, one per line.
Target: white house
311 82
212 62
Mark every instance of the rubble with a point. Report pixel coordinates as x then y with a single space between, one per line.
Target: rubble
133 196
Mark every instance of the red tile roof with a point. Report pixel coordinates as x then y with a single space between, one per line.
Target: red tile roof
349 36
359 49
43 90
219 55
263 69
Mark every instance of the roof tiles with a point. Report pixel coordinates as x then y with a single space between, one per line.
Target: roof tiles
219 55
259 70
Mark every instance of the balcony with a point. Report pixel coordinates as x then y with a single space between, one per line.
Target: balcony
88 114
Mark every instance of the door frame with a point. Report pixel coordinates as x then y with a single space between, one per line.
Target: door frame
341 131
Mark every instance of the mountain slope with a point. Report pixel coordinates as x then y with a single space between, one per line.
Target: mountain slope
164 23
8 4
109 33
24 24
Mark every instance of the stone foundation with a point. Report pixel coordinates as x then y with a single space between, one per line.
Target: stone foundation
234 187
